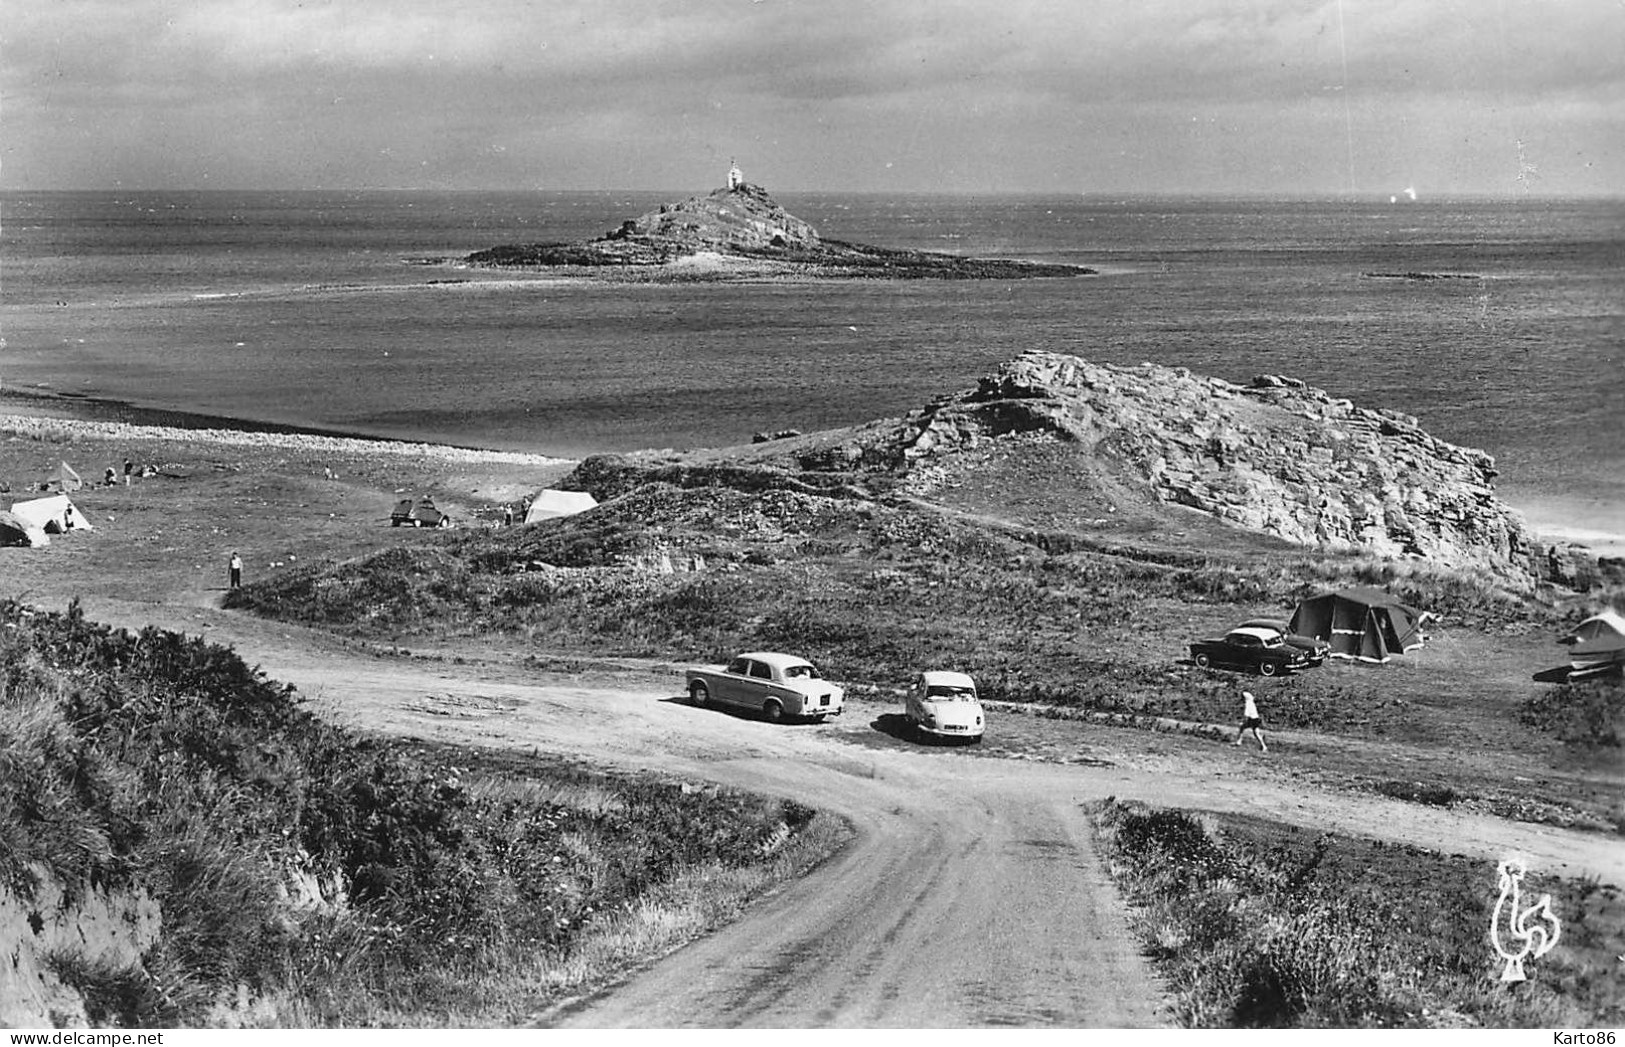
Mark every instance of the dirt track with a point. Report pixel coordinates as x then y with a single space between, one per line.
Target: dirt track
972 895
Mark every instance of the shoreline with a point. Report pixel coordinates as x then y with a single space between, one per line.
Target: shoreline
80 407
1605 545
42 425
114 420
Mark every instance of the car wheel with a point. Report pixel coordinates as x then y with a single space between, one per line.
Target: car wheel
773 711
1267 668
1203 661
699 695
417 523
394 523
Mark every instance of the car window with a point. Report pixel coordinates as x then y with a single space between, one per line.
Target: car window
761 671
947 693
1244 640
800 672
738 666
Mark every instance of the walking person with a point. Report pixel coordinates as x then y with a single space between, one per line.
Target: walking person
1251 721
237 574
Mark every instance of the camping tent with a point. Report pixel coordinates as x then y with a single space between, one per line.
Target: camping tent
63 479
1597 643
549 503
53 514
14 530
1362 623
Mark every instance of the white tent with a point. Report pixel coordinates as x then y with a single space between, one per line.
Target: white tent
53 515
549 503
1597 643
64 479
14 530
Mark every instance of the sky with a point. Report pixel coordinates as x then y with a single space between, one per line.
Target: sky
1277 97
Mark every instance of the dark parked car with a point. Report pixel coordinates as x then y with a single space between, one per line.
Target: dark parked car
419 513
1313 646
1250 648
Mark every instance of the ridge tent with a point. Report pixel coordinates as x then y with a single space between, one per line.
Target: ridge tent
549 503
53 514
14 530
1362 623
1597 643
63 479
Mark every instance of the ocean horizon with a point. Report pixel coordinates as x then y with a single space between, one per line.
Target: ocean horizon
305 308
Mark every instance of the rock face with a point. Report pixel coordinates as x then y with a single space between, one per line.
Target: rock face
50 926
1276 456
743 224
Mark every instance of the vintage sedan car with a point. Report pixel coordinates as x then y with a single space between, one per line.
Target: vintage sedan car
944 704
779 686
420 512
1313 646
1250 648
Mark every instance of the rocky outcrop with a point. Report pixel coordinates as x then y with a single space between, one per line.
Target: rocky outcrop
48 931
745 226
1276 456
744 218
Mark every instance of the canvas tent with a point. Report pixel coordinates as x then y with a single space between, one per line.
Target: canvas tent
549 503
63 479
1362 623
1597 643
14 530
53 515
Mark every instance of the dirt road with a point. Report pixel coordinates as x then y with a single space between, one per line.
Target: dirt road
971 896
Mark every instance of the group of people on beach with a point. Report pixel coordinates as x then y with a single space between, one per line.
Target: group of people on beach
110 475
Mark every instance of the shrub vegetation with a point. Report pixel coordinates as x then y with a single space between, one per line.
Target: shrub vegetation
1255 924
869 590
307 876
1588 714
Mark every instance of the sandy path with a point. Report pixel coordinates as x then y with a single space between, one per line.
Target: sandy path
972 895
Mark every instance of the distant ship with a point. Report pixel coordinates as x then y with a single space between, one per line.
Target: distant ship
1409 192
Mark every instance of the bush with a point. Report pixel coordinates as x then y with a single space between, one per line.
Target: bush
1589 714
159 763
1256 926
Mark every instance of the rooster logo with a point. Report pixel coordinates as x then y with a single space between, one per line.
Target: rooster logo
1535 927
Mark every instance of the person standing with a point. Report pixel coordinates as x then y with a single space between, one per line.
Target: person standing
237 575
1251 721
128 465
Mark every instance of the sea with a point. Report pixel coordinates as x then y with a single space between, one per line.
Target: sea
1499 323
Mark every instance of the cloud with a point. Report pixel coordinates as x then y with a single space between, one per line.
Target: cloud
515 79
